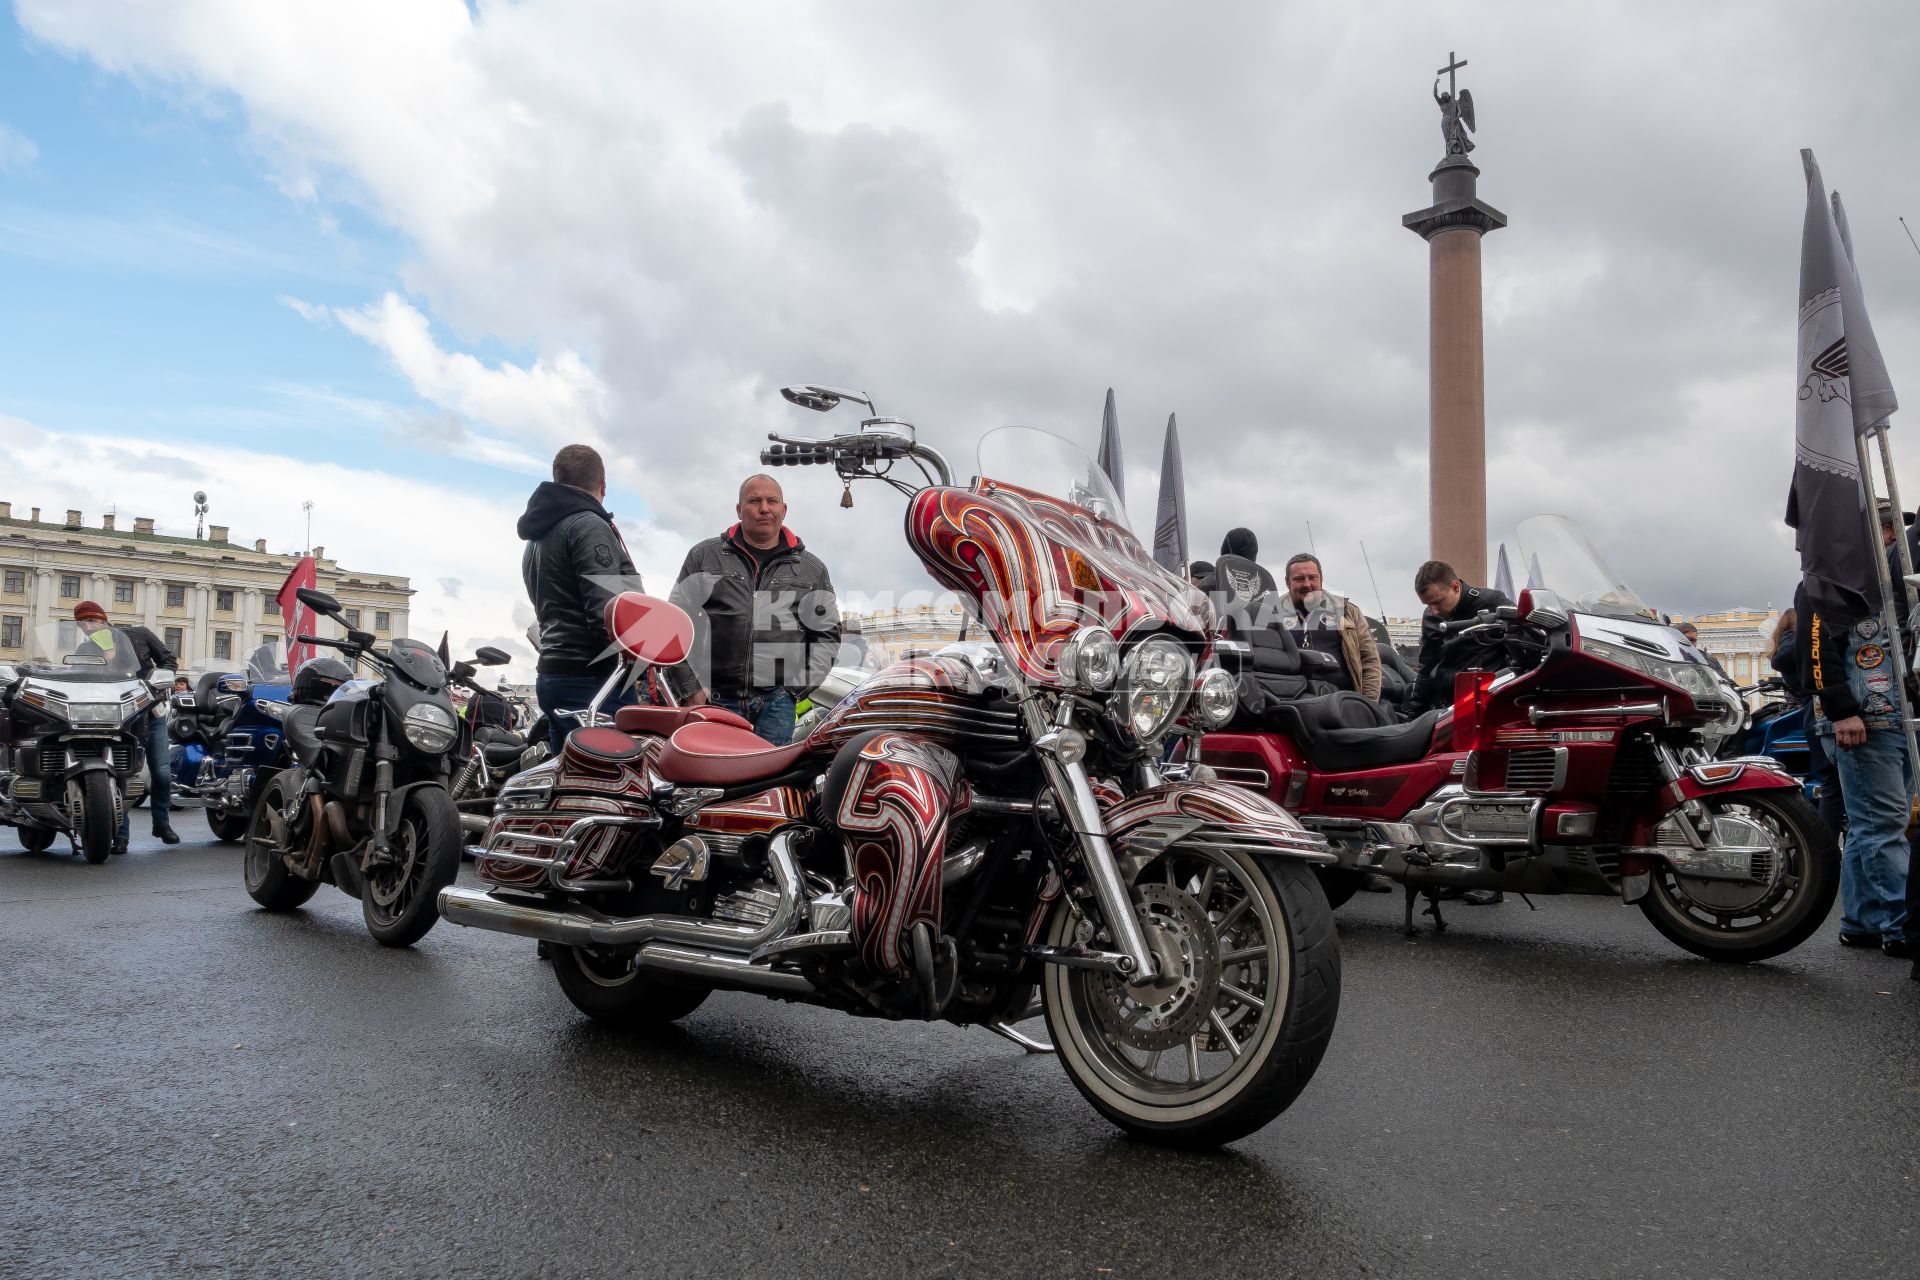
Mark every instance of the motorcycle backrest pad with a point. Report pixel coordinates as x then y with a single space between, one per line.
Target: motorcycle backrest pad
649 629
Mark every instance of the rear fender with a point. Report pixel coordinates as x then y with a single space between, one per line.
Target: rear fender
1217 815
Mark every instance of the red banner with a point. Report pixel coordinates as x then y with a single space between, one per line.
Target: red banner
299 618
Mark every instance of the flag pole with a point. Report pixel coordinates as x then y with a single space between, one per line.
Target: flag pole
1889 613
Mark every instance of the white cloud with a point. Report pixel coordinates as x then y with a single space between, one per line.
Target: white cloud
16 150
463 559
682 207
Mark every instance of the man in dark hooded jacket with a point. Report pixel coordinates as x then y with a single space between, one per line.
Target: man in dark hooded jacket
574 563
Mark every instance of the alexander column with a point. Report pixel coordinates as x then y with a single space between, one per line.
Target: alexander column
1456 379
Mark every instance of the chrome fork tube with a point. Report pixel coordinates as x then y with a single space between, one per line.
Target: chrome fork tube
1070 784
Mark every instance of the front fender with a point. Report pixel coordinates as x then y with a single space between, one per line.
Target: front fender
1712 778
1216 814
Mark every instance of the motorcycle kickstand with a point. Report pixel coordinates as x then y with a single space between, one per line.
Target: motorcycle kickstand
1433 909
1005 1029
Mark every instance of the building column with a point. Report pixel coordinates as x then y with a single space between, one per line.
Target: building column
200 620
43 588
1456 387
151 593
250 601
399 620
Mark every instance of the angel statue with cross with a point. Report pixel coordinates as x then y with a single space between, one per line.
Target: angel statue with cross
1456 109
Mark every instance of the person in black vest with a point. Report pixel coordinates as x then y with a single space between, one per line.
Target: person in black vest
575 562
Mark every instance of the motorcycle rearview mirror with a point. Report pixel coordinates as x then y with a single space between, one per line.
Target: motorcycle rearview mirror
648 629
160 679
488 656
820 399
8 673
319 601
1542 608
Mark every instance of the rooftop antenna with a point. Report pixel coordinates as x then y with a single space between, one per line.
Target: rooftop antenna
1377 598
199 513
1310 546
307 507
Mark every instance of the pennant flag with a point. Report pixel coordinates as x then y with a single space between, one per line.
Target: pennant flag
1503 574
1535 579
1110 448
1843 391
1170 522
298 617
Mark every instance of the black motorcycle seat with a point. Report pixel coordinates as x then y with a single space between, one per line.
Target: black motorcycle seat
302 726
500 746
1345 731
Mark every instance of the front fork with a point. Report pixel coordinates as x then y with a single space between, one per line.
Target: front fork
1061 748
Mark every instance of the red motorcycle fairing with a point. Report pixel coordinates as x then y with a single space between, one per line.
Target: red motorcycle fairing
941 699
1737 775
892 797
1040 568
1271 764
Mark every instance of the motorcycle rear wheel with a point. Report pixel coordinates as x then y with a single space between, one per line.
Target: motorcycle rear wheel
228 827
1340 883
1244 1009
1737 925
611 991
36 839
269 883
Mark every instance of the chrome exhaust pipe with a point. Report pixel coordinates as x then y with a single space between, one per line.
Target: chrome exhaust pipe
722 969
580 929
474 825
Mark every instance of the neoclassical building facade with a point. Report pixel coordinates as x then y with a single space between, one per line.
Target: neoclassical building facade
211 600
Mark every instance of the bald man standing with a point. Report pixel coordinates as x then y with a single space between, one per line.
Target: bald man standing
769 624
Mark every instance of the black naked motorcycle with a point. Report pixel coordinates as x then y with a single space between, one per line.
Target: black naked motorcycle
364 806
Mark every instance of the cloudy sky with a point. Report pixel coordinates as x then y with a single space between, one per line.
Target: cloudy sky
387 256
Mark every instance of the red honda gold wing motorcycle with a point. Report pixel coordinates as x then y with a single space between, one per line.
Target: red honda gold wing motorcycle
1585 766
959 831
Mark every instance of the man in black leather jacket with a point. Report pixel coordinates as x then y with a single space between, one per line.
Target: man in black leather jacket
1442 657
574 563
768 624
151 653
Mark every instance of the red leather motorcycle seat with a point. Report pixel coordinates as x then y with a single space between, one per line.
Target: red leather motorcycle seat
663 721
720 755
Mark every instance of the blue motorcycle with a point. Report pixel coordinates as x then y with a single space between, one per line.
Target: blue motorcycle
227 741
1775 728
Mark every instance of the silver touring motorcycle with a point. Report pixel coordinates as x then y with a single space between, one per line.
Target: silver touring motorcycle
962 830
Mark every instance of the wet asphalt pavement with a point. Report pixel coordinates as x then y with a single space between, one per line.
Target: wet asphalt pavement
188 1086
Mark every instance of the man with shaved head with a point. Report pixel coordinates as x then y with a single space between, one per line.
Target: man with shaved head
768 622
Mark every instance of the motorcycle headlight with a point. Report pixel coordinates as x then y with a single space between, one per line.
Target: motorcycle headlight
1155 683
1091 659
1695 679
96 714
1216 699
429 727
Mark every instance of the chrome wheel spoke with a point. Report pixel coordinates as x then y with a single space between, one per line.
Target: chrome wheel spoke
1226 1036
1193 1059
1206 886
1234 912
1243 954
1247 998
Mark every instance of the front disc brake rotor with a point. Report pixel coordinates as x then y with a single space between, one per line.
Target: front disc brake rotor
1174 1007
386 882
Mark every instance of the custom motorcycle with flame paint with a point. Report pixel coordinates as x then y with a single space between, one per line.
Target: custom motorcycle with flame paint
961 831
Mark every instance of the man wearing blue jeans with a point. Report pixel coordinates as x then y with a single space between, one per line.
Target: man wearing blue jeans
1859 722
574 564
152 655
767 624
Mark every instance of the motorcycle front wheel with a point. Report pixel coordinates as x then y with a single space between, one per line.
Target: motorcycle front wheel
228 825
401 899
1796 881
1238 1017
269 883
99 823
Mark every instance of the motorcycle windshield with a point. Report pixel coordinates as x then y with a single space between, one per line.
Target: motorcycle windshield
1557 554
1039 544
64 650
